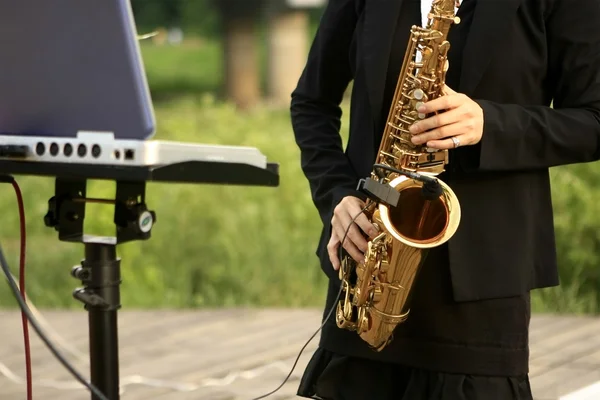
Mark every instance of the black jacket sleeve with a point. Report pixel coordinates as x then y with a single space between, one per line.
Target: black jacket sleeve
519 137
316 113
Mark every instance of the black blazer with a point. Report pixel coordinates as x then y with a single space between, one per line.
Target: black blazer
520 55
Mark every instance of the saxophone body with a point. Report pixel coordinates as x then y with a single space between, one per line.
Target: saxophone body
376 292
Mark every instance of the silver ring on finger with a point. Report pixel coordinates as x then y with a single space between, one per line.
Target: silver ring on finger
456 141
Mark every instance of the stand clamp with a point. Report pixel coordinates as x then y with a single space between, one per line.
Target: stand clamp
100 271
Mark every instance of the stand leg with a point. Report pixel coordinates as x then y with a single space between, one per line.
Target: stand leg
100 272
104 353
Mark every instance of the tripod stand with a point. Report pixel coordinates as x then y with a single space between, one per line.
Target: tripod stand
100 271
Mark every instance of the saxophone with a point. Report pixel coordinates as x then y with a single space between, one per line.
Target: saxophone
412 209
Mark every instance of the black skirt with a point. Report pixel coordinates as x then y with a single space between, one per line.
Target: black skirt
331 376
445 350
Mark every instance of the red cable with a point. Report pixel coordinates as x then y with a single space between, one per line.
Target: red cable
22 287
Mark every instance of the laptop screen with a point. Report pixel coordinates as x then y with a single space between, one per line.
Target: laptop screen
72 65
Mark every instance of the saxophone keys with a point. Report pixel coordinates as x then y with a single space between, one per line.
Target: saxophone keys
347 311
446 66
343 319
364 321
376 295
376 226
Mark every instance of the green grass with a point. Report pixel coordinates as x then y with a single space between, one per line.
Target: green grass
224 245
212 245
195 67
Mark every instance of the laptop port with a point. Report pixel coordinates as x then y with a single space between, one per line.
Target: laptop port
129 154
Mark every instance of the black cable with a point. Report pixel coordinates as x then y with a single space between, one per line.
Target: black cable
333 307
36 326
410 174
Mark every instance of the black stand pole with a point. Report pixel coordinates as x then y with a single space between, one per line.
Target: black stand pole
101 274
100 271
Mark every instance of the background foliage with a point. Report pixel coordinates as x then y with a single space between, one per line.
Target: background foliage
193 16
217 246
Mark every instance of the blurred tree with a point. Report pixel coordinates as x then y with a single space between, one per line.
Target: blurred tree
199 17
154 13
193 16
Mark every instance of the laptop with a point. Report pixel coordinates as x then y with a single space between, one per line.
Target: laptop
70 66
73 89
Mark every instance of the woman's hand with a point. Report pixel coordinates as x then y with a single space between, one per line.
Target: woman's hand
459 122
355 243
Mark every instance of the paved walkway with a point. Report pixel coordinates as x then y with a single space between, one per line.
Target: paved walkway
239 354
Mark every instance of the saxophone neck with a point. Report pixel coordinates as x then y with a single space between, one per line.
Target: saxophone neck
443 9
443 15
